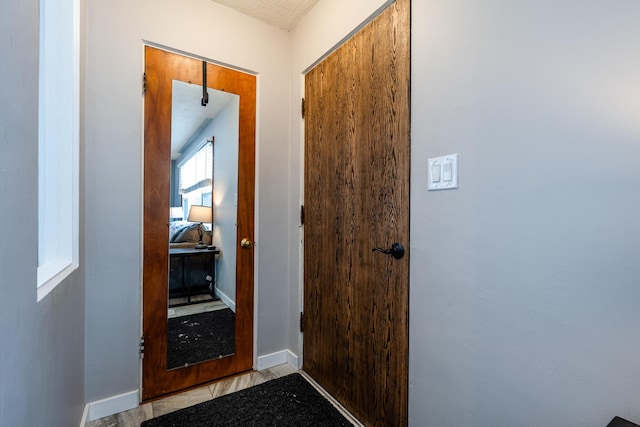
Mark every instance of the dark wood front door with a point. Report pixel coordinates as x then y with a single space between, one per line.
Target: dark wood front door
356 199
162 68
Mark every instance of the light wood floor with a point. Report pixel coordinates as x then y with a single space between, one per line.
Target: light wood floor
134 417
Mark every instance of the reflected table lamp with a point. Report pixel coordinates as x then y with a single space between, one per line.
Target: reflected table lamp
200 214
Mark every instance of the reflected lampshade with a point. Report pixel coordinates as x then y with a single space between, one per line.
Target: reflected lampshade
199 213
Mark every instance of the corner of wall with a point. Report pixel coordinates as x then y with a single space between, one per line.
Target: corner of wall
278 358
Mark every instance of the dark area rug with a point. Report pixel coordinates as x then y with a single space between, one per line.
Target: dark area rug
284 402
199 337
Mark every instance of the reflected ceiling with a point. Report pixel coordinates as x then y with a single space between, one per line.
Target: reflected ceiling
188 114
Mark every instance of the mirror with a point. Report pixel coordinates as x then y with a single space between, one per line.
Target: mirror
202 225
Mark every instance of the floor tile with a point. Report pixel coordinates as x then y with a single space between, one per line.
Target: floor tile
230 385
259 377
131 418
281 370
187 310
179 401
216 305
110 421
134 417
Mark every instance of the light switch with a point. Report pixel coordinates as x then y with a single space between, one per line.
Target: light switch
443 172
435 172
446 170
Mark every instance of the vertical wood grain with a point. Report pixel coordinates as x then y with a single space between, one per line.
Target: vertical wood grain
161 69
357 197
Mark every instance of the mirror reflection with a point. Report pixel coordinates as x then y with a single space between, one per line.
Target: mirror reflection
202 228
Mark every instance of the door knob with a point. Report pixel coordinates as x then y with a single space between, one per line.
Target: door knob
396 250
246 243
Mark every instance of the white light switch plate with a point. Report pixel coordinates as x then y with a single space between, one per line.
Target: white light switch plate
443 172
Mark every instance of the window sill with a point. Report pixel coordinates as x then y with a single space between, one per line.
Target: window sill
48 279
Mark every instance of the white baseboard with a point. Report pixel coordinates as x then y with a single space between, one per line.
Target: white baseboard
113 405
293 360
278 358
85 416
225 299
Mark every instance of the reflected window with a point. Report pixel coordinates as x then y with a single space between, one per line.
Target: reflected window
195 173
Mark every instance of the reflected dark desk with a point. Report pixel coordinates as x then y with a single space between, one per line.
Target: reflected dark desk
186 256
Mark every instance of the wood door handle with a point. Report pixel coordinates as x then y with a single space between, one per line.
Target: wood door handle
246 243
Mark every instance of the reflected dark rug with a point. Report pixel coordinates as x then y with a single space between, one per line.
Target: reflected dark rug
284 402
199 337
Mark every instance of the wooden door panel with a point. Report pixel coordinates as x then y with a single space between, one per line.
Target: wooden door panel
161 68
357 198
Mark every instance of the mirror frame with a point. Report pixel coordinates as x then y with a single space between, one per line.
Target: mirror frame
161 68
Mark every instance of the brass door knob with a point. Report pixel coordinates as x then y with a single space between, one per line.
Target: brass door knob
246 243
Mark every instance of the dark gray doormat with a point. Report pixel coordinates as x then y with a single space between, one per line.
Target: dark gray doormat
287 401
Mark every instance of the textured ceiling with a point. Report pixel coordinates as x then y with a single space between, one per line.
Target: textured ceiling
283 14
187 113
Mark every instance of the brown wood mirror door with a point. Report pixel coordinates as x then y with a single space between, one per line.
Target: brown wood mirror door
169 282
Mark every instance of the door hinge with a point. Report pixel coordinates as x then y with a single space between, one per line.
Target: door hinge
144 84
141 348
301 214
302 108
301 321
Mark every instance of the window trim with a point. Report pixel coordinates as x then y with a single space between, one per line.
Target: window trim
58 246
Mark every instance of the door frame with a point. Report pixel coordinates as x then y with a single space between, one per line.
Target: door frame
155 227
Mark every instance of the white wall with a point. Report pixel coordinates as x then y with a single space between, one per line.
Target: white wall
525 281
116 30
225 128
41 350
